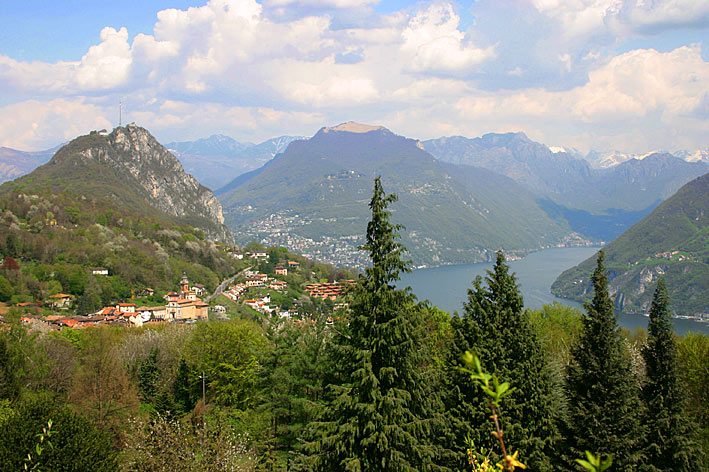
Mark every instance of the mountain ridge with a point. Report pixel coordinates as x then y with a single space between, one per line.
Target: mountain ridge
321 187
671 242
131 167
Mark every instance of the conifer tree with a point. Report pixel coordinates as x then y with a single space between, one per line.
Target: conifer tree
604 409
495 328
670 442
377 418
148 376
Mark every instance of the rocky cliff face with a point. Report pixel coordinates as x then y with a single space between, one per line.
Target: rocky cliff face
160 173
134 167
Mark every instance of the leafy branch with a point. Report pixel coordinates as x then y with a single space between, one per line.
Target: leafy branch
33 464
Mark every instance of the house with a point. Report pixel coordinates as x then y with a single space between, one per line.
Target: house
152 312
254 282
257 255
219 308
126 307
99 271
198 289
292 264
61 300
148 292
278 285
280 270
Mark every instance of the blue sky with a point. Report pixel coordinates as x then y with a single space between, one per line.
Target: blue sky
631 75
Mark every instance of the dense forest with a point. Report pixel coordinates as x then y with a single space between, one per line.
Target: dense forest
390 384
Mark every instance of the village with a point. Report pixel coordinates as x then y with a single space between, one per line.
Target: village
258 293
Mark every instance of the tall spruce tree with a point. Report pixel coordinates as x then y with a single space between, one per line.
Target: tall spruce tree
495 327
377 418
604 408
670 436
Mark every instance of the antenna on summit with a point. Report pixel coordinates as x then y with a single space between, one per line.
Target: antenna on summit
120 113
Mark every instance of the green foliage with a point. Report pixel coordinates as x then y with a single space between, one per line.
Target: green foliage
181 389
227 353
10 366
379 414
150 253
495 392
595 463
601 387
293 385
670 442
78 445
148 377
681 224
6 289
557 327
43 441
495 327
694 373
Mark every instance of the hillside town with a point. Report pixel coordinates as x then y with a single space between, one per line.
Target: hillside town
262 294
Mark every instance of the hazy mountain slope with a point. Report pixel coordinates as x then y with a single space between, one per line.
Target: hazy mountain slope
130 167
672 241
633 185
599 203
452 214
14 163
216 160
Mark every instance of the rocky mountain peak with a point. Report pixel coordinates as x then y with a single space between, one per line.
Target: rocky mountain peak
140 162
353 127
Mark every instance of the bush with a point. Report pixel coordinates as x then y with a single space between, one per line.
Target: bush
77 444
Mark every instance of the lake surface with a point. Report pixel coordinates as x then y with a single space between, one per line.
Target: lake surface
447 287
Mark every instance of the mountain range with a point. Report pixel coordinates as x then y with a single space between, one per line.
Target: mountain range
671 242
214 161
598 202
632 185
314 197
129 167
14 163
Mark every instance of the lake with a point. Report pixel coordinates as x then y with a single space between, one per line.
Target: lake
447 287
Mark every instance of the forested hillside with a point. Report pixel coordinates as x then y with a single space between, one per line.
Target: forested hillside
57 238
379 386
672 242
313 198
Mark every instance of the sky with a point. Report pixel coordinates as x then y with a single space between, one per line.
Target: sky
627 75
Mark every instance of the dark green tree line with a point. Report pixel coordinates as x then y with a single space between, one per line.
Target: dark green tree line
604 408
495 327
378 417
671 443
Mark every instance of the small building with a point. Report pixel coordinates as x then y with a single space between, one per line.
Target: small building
126 307
278 285
152 312
280 270
219 308
61 300
198 289
99 271
254 282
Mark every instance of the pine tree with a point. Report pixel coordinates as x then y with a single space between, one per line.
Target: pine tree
148 376
495 327
604 409
378 417
670 445
182 388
